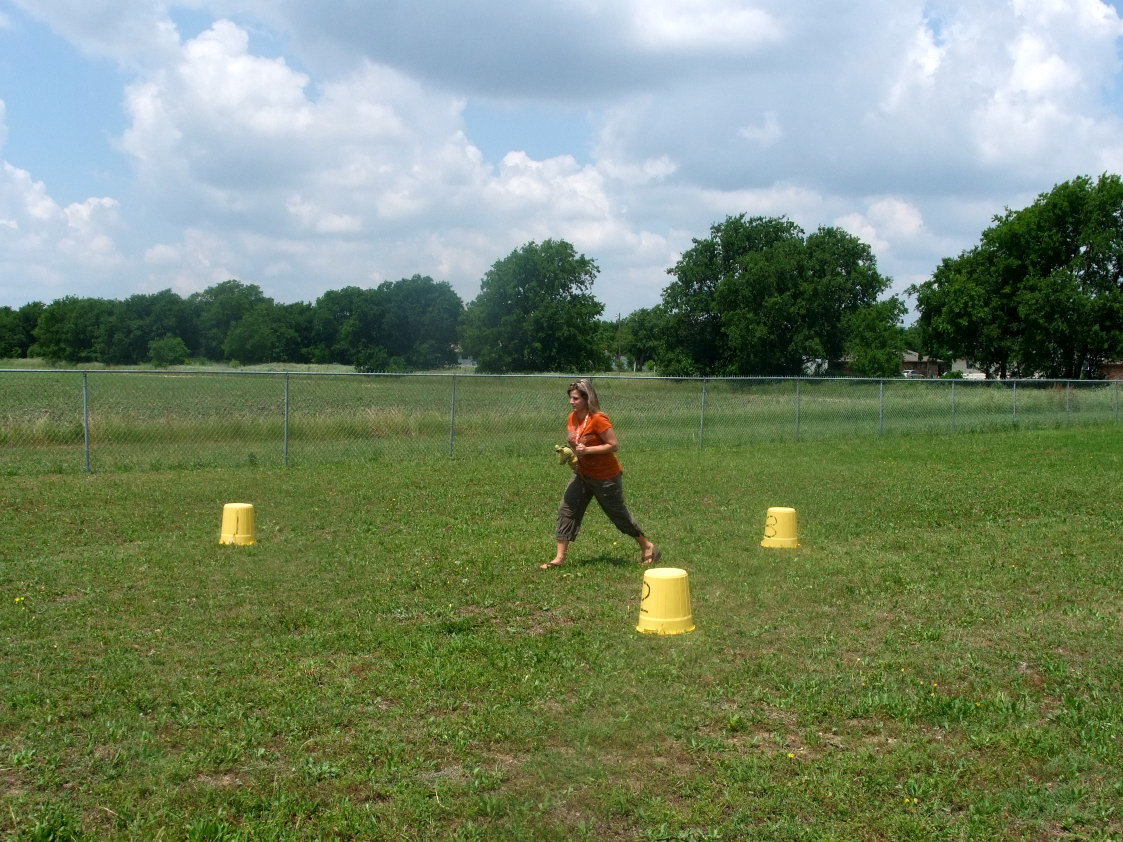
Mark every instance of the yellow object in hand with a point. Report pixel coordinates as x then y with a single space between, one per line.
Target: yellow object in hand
565 455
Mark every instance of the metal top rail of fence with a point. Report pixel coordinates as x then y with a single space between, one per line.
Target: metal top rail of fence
66 420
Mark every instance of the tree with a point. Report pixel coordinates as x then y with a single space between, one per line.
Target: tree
263 335
218 308
696 340
17 329
139 320
534 312
1042 292
29 319
406 324
420 322
759 298
68 329
296 319
11 333
167 350
347 324
642 334
875 339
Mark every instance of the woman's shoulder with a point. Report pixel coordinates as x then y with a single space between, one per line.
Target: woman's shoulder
601 421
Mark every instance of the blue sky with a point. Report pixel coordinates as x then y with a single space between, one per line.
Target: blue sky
62 111
152 144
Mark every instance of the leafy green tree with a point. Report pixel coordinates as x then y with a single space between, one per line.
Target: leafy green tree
296 319
139 320
69 328
217 310
875 341
696 338
964 313
759 298
608 339
29 319
1042 292
168 350
263 335
642 334
400 325
534 312
345 322
17 329
11 334
420 321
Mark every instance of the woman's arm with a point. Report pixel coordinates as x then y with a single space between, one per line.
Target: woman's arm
611 444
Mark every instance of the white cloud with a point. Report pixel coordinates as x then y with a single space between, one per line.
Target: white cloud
702 24
768 133
800 203
888 222
919 64
217 116
43 244
308 151
134 33
321 221
225 134
896 217
1010 90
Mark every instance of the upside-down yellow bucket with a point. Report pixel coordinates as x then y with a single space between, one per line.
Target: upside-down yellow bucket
664 606
780 528
237 524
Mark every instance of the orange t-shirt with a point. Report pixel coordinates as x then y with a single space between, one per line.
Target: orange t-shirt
588 433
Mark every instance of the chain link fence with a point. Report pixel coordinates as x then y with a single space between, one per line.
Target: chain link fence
61 421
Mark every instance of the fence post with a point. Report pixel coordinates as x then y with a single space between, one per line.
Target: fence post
881 407
452 417
797 419
286 419
1068 401
702 419
953 406
1116 403
1014 422
86 415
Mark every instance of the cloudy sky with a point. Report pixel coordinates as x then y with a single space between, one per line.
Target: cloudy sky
305 145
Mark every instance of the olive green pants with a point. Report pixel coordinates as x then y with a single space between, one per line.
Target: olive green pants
608 492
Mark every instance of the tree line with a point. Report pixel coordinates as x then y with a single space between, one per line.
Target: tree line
397 326
1041 294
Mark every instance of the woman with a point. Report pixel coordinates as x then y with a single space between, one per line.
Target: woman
596 474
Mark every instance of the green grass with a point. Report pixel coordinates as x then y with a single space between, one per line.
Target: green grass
939 660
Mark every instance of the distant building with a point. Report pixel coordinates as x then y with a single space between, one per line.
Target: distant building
1112 370
922 366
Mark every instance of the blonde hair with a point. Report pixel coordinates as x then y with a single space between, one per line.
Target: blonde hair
586 390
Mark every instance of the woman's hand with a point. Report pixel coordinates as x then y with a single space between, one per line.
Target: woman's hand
611 445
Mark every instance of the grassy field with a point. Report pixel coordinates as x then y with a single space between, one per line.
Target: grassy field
193 419
939 660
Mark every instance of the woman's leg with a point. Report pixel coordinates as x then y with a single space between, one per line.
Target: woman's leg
610 496
575 501
559 558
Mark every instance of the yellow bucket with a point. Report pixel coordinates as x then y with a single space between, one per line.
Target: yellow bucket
664 606
237 524
780 528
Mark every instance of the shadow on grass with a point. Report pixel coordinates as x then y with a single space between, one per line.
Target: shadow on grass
604 559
